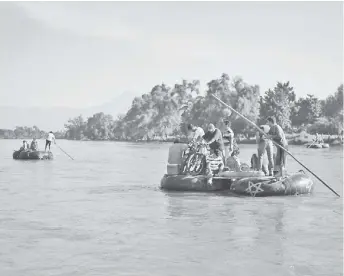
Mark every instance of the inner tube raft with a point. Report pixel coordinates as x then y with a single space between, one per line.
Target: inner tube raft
295 184
315 146
325 146
32 155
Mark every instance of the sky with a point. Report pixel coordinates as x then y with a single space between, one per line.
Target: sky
82 54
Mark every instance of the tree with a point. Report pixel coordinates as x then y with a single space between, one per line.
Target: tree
75 128
238 94
307 110
279 103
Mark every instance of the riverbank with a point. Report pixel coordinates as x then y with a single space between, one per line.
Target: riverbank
297 139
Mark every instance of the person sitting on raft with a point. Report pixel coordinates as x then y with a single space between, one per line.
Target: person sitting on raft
34 145
175 157
213 138
25 146
198 133
233 162
276 134
214 162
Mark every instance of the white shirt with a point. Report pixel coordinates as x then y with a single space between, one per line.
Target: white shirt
51 137
199 133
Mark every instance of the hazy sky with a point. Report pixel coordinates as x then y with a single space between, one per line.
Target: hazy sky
81 54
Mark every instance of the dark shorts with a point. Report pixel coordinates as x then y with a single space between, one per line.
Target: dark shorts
47 143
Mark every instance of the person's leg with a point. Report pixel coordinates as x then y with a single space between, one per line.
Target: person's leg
283 159
226 153
278 160
254 161
270 152
261 151
46 145
265 167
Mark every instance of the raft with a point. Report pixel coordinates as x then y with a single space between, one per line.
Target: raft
32 155
221 182
295 184
315 146
318 146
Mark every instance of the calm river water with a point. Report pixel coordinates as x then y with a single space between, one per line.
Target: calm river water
103 214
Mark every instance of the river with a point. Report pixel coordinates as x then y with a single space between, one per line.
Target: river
103 214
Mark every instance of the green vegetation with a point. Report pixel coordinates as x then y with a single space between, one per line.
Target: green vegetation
27 133
164 112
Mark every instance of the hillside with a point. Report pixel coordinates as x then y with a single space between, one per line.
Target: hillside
54 118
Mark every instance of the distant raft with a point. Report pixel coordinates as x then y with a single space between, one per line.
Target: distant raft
318 146
295 184
32 155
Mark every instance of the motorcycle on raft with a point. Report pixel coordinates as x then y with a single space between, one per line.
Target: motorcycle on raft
194 158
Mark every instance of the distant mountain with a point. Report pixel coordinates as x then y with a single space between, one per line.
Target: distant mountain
54 118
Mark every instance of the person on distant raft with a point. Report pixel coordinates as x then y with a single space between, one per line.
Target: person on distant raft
25 146
198 133
175 157
213 138
265 146
228 140
49 139
34 145
276 133
317 138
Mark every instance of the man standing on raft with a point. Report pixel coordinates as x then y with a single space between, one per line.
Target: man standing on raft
276 134
50 138
213 138
265 146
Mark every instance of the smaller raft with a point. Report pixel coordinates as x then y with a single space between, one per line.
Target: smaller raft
318 146
314 146
32 155
197 183
295 184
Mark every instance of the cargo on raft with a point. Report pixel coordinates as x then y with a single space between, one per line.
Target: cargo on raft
32 155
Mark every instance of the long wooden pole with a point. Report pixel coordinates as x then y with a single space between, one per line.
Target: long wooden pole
64 152
278 145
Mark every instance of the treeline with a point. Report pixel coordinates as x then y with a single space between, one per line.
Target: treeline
27 133
165 111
